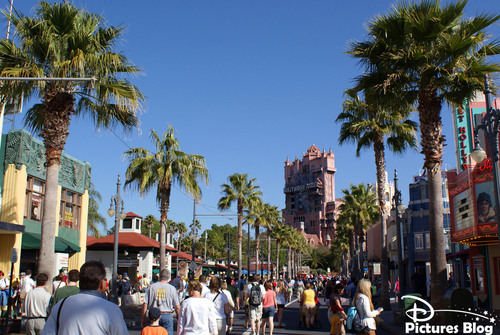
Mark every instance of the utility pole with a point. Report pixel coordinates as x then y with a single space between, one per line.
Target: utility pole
228 273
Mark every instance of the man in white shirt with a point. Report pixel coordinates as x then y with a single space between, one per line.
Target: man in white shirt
35 306
256 306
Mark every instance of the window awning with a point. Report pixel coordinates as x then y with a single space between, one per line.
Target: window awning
32 241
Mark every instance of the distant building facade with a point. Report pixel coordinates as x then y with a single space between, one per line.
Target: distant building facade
310 204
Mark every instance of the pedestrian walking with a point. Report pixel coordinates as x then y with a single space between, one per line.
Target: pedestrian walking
364 306
396 289
154 316
68 290
87 313
335 305
4 290
58 282
221 303
36 304
233 290
164 296
254 292
308 302
280 300
269 306
197 315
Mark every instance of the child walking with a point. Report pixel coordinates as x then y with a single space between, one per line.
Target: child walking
154 316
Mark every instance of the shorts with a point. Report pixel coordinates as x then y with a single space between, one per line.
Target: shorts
309 309
268 312
255 313
281 306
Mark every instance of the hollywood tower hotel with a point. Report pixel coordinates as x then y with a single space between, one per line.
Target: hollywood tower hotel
310 195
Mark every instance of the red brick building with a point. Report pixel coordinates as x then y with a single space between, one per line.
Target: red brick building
310 195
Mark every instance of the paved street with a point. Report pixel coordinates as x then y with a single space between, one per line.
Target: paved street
291 318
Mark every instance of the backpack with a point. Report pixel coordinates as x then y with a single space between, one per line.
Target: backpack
241 285
255 295
351 314
125 287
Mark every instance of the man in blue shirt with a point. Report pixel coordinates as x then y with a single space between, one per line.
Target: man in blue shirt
87 312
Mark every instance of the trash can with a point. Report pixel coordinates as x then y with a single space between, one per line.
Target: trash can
408 303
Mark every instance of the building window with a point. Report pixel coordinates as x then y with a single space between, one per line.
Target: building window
71 209
427 240
419 241
137 223
35 190
127 224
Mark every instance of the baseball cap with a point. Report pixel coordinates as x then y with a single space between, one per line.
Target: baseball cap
154 314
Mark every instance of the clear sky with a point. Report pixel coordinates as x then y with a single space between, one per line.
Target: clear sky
246 84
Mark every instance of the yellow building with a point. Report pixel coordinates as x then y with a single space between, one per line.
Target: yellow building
22 177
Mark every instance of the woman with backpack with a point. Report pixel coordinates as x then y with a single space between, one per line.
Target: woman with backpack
221 303
365 323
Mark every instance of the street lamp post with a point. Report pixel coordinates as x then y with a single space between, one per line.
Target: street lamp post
116 200
399 208
489 124
248 252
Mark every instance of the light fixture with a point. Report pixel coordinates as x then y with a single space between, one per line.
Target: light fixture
478 154
111 211
122 214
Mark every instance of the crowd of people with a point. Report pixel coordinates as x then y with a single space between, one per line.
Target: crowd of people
80 302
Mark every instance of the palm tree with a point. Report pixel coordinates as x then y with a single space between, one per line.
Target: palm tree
434 55
159 170
62 41
254 216
344 233
95 219
278 232
360 204
271 216
241 190
370 123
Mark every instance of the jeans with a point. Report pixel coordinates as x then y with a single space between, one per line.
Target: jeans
167 322
4 294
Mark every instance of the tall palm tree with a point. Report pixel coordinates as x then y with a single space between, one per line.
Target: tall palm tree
254 216
95 219
269 216
344 233
160 170
434 55
360 204
241 190
278 232
63 41
372 123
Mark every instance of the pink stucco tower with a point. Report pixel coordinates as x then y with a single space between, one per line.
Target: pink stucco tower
310 195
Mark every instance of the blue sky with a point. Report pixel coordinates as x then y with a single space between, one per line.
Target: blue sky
246 84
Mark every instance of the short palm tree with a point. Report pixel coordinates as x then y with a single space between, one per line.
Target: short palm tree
434 55
254 216
241 190
360 204
271 216
344 233
63 41
370 122
161 169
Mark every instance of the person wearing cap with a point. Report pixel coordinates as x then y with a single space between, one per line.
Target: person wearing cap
154 316
87 312
337 320
164 296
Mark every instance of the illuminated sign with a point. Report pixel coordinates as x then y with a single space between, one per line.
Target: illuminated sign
463 133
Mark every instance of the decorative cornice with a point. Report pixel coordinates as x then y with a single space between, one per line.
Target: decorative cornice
23 149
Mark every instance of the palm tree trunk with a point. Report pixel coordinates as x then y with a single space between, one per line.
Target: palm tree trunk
432 147
268 251
257 247
46 260
277 259
289 263
56 120
164 204
378 146
240 239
